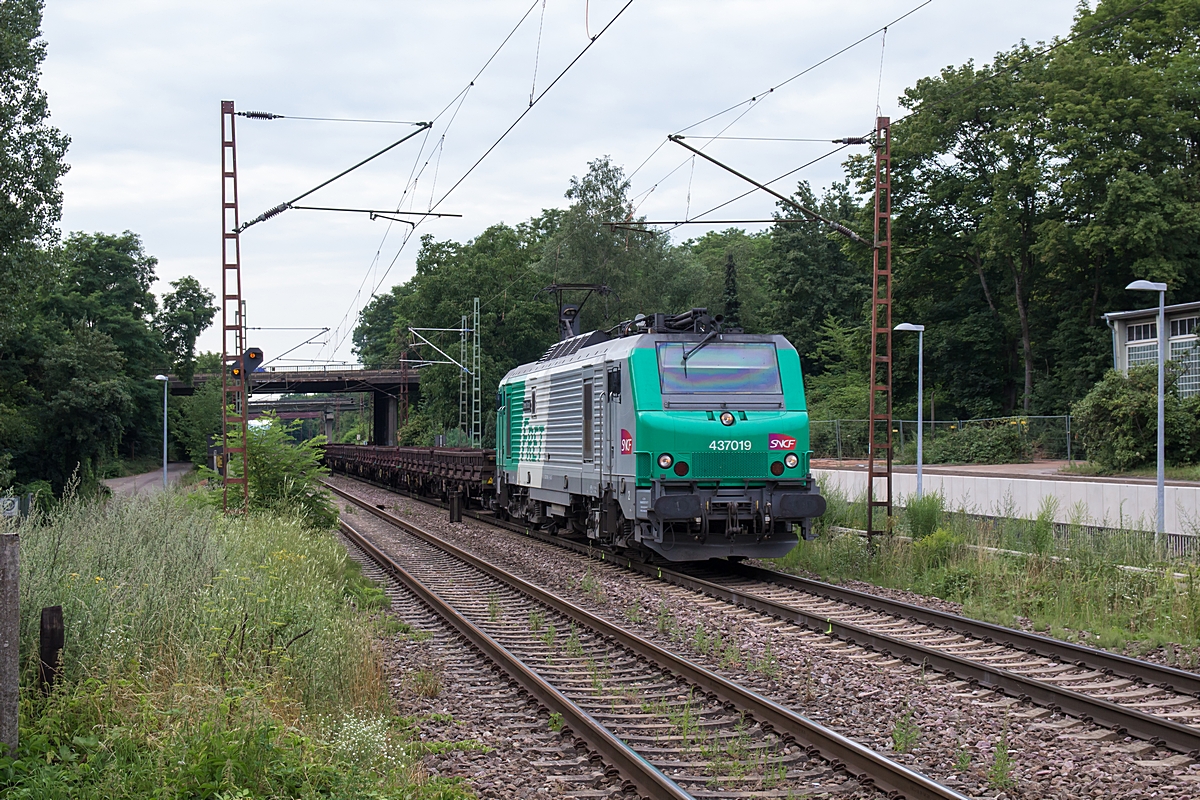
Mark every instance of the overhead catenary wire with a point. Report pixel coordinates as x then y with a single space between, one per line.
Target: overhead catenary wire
279 209
267 115
755 100
538 99
515 122
837 226
925 105
537 53
458 99
699 217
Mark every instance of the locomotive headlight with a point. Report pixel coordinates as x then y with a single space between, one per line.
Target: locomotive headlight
727 418
665 461
791 460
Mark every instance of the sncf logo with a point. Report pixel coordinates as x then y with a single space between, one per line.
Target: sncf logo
778 441
626 443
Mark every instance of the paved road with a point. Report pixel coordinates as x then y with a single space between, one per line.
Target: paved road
149 482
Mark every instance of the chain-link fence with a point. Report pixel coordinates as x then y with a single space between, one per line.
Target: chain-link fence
996 440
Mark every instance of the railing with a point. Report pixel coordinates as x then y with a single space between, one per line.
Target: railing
992 440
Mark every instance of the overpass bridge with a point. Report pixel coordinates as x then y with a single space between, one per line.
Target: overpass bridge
390 389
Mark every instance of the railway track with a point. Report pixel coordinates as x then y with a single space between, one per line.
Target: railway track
670 728
1148 701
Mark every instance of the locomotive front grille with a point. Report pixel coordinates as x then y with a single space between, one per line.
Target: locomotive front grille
728 465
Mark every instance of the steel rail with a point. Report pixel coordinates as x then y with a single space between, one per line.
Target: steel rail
642 774
1177 680
1126 721
866 765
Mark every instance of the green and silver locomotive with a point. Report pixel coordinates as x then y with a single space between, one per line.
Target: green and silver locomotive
666 434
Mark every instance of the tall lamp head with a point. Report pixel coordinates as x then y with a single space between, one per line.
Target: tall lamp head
1146 286
909 327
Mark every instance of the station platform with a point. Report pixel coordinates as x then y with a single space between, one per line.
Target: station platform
1024 490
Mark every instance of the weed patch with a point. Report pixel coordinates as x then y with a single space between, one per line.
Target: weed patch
206 656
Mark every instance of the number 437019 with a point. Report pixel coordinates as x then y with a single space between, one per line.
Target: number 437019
730 444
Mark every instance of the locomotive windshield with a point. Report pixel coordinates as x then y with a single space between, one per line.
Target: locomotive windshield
719 368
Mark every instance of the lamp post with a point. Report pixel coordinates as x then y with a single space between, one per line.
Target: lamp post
165 382
1161 288
920 331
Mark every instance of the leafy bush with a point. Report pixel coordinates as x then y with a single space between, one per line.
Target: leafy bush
1118 420
980 444
285 475
924 514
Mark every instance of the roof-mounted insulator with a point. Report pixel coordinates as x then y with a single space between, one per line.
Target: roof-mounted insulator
259 115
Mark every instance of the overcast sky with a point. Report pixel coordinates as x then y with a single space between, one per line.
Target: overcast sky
137 85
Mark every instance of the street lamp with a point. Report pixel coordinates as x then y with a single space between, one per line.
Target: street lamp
920 331
165 382
1161 288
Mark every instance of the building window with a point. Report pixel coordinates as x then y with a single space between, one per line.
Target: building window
1139 354
1141 333
1188 355
1183 327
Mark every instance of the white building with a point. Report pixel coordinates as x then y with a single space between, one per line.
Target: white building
1135 341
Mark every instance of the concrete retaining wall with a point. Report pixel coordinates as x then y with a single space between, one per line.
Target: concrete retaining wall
1104 504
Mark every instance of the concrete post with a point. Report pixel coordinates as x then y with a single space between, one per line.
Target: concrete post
383 431
10 628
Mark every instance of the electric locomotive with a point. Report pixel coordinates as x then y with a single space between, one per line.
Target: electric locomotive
667 434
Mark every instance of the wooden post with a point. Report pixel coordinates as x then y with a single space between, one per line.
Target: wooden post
10 627
50 647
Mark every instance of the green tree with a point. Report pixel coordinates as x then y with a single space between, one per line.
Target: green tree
104 281
517 321
809 276
703 260
193 419
733 304
975 166
31 164
638 268
87 405
186 313
1118 420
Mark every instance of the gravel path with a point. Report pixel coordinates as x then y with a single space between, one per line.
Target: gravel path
954 734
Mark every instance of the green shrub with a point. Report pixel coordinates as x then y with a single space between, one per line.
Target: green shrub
1118 420
285 475
937 549
924 514
1002 443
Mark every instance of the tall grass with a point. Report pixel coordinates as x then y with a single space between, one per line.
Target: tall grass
206 656
1070 582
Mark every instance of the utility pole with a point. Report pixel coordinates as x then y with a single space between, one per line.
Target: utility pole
880 387
476 412
879 435
10 637
462 376
233 389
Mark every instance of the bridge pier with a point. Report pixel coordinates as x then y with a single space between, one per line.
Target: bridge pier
383 429
328 417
